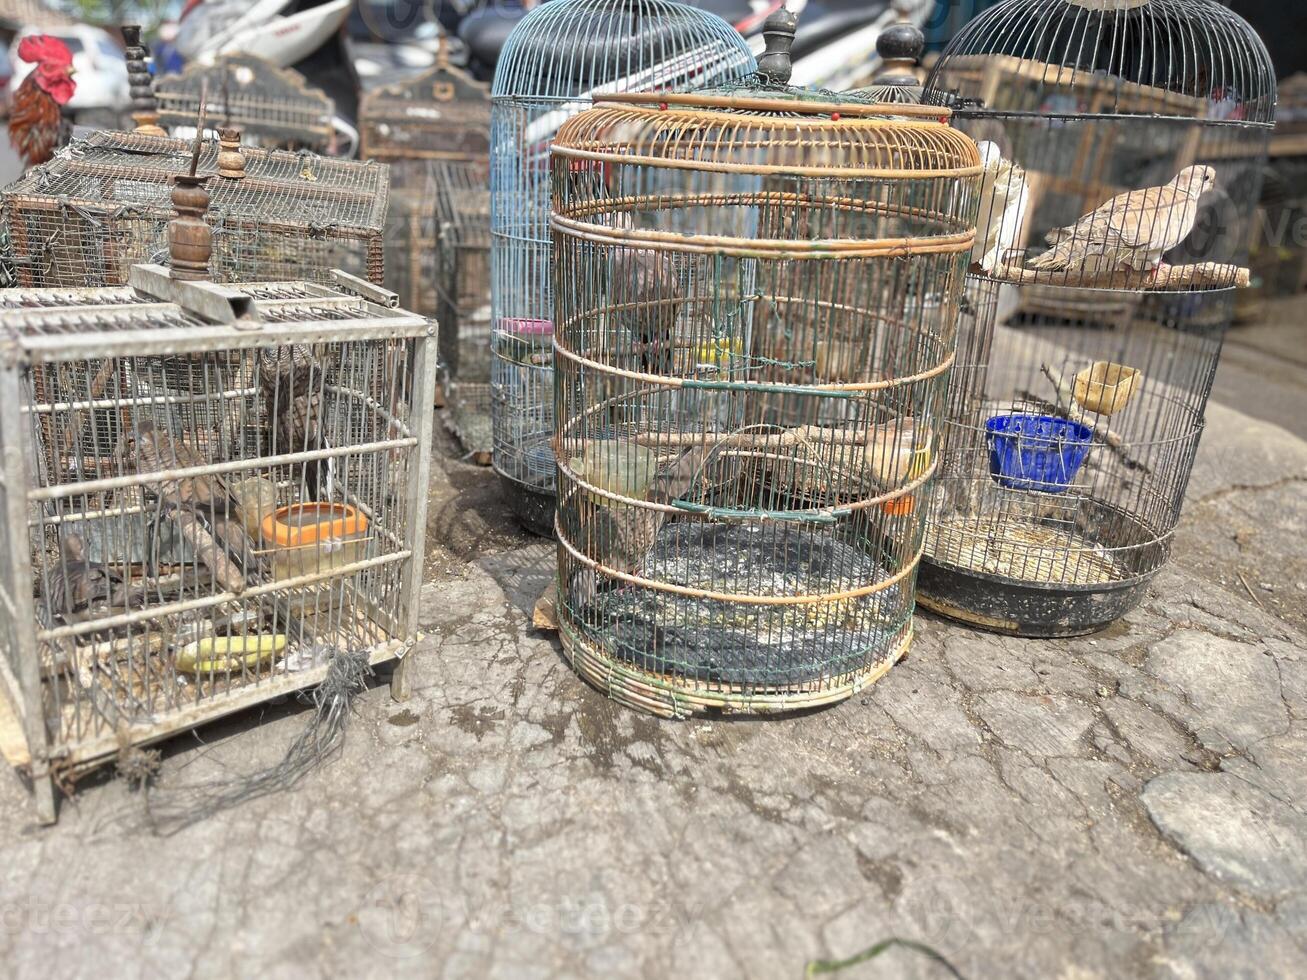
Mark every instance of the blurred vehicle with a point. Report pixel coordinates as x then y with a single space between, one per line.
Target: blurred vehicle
305 35
283 32
100 65
6 74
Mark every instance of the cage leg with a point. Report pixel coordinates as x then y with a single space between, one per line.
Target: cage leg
43 797
400 685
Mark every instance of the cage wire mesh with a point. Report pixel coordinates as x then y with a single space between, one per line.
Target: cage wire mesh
1124 145
427 129
756 298
559 58
462 283
103 204
200 514
274 107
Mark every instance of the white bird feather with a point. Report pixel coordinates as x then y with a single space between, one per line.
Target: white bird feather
1004 198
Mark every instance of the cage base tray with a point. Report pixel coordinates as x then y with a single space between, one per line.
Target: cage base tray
1023 609
533 507
669 696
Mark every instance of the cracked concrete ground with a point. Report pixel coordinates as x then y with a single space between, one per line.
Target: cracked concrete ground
1132 803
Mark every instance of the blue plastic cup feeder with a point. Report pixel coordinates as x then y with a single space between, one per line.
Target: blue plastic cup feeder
1036 452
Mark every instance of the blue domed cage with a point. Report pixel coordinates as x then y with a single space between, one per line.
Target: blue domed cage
559 59
1116 326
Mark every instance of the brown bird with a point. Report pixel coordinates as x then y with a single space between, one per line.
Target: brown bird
620 535
75 585
1134 229
292 381
37 127
647 294
202 506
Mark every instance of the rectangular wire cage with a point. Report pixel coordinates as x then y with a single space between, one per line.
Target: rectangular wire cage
276 107
208 494
103 204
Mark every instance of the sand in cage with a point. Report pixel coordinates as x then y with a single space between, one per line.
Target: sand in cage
1025 550
750 644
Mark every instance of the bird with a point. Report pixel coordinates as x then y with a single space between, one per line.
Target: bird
76 585
292 380
1004 198
647 294
1133 229
202 506
619 535
37 127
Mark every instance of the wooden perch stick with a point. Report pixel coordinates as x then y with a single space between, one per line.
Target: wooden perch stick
1201 275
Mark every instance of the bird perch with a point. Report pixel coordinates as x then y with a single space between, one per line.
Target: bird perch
1201 275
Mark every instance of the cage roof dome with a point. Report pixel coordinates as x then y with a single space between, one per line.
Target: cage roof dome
1180 58
570 48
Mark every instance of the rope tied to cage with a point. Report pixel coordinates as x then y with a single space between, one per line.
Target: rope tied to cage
170 809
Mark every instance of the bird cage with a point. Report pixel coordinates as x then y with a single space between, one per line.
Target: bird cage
756 295
210 492
557 60
275 107
426 128
442 114
1124 143
462 283
103 204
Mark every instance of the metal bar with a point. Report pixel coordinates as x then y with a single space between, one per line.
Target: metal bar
361 287
25 654
232 466
425 366
207 602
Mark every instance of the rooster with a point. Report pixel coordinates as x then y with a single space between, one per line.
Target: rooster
36 124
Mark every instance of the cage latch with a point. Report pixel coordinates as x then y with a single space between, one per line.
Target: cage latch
206 300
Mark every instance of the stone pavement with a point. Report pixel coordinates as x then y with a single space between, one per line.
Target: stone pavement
1133 803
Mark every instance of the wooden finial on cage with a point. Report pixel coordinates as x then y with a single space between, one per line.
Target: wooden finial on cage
190 239
900 47
145 111
231 162
775 66
442 52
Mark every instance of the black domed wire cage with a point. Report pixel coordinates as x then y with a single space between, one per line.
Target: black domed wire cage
559 59
1124 143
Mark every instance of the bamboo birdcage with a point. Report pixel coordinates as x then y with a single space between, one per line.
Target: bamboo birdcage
558 59
756 296
103 204
1087 356
274 107
165 558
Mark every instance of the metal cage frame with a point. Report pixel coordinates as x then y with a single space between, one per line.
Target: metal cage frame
1076 103
84 368
558 59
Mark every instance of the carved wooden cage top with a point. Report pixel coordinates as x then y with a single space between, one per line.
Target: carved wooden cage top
440 115
103 204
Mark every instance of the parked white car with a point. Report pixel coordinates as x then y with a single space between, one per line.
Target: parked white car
100 65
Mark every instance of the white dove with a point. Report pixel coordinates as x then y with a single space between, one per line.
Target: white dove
1004 197
1134 229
